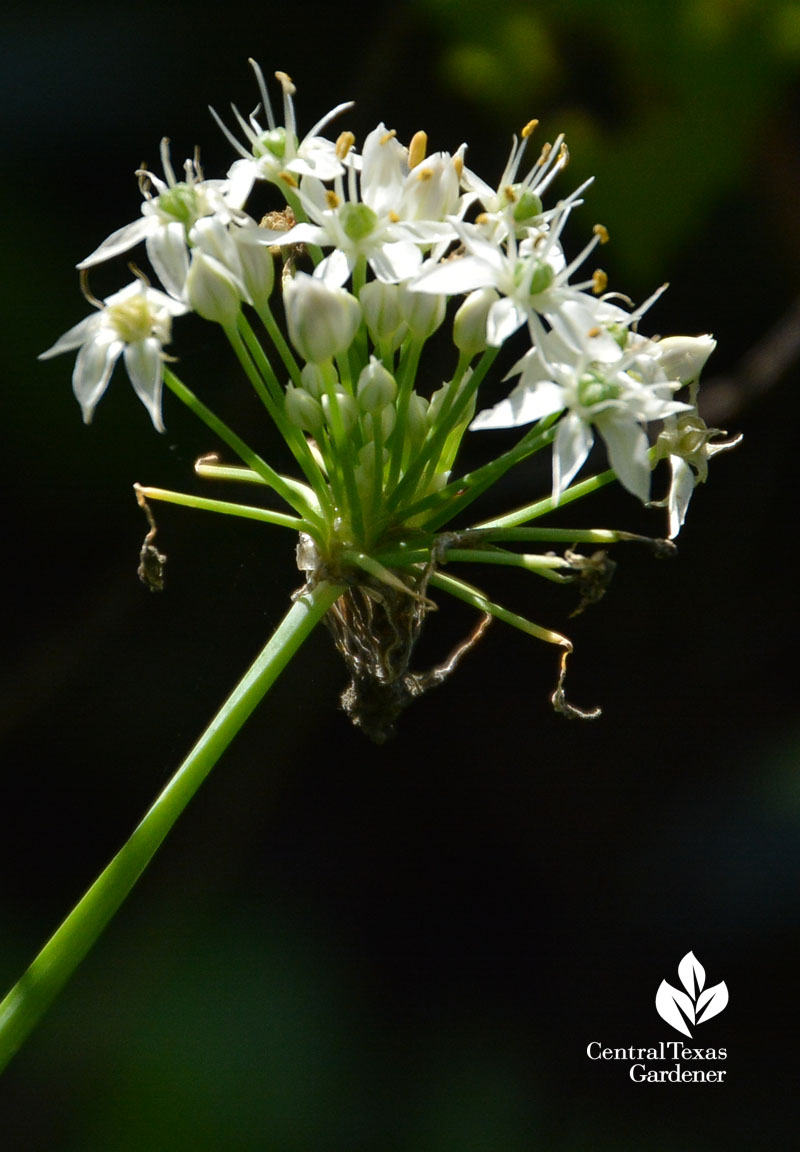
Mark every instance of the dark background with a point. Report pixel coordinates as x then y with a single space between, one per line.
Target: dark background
405 948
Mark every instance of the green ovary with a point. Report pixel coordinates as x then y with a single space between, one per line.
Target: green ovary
593 389
358 220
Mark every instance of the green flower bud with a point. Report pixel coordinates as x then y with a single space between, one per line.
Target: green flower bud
376 387
417 419
303 411
423 312
380 304
313 380
211 290
322 319
469 322
348 409
257 263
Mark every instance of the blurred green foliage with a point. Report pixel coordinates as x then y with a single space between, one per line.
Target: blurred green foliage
668 101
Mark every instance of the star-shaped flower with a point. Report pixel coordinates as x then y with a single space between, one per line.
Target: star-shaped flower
134 323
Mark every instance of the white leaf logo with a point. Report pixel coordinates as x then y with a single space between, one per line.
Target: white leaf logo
695 1005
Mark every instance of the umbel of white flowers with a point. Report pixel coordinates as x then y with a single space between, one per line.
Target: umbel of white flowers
366 254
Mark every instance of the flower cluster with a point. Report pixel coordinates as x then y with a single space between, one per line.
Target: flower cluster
367 252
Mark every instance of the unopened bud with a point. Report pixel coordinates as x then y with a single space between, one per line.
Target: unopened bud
380 304
322 318
346 405
303 411
376 387
469 322
683 357
211 290
423 312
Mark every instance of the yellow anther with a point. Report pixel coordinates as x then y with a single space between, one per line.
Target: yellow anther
285 83
510 194
594 331
601 231
599 282
482 218
458 165
344 143
424 174
417 149
563 155
390 135
331 199
395 219
529 129
545 152
288 178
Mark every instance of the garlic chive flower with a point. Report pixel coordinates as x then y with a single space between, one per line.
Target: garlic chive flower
329 302
134 323
166 220
612 383
275 152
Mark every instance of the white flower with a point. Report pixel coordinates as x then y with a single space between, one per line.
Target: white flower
688 443
612 384
531 277
277 149
167 218
135 323
516 205
399 211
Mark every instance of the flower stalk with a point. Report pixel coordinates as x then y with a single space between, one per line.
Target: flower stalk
370 257
31 996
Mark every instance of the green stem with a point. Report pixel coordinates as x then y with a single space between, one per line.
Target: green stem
228 507
32 995
298 496
542 507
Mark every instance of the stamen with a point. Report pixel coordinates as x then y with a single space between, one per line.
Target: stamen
344 143
262 87
529 129
229 136
390 135
288 107
458 165
289 179
601 231
417 149
165 161
331 199
599 282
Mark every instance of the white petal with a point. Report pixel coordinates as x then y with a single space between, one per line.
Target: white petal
574 439
395 262
169 255
121 240
93 369
680 493
505 317
460 275
627 446
145 369
522 406
242 175
335 269
72 339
